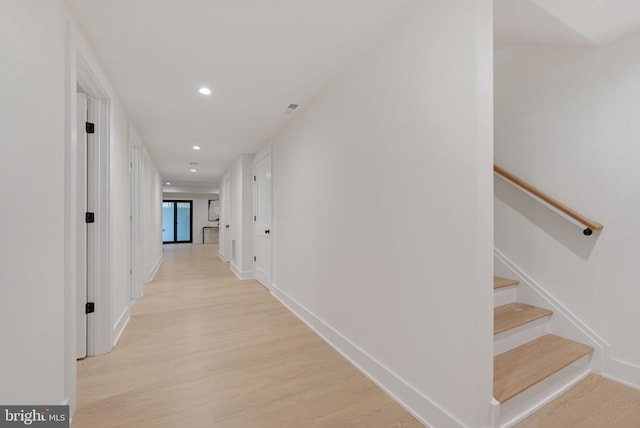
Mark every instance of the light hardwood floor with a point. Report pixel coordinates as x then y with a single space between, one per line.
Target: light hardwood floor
204 349
593 403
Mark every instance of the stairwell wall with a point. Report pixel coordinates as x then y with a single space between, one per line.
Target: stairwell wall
382 213
566 121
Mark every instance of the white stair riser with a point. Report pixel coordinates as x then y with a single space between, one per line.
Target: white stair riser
515 337
540 394
504 296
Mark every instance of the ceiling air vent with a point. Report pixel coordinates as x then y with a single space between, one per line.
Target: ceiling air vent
291 108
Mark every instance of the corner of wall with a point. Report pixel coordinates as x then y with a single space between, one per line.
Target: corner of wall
419 405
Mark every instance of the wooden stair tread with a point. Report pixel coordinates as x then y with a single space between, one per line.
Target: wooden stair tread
522 367
499 282
516 314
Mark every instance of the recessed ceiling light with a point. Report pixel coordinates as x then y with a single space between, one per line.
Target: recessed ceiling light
193 170
196 147
168 184
205 91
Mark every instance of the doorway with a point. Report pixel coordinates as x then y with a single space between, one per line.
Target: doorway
89 202
262 216
177 218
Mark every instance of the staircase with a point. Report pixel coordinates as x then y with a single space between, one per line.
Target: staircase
530 366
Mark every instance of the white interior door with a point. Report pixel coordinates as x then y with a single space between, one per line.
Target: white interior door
81 263
262 217
225 226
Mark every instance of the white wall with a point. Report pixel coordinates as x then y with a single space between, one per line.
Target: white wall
32 174
383 213
567 122
152 214
119 222
241 175
39 44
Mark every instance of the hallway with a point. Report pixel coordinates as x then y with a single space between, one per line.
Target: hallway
203 349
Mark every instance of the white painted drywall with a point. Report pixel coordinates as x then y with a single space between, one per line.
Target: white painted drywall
39 43
120 210
241 176
567 121
382 208
152 214
32 174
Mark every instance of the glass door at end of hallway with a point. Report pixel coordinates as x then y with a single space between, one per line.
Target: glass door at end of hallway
177 217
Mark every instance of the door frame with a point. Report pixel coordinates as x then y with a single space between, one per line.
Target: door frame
259 156
175 218
99 288
99 285
79 73
135 177
224 225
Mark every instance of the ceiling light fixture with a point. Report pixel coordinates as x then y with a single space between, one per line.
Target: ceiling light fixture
205 91
193 170
168 184
196 147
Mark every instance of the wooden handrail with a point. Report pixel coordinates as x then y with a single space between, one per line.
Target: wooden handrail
591 225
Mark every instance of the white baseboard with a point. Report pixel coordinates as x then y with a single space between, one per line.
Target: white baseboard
416 403
221 257
242 274
153 272
622 372
120 325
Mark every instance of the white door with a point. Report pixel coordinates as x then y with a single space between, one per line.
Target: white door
225 224
81 263
262 217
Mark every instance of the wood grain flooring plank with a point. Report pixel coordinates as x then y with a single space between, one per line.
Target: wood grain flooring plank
204 349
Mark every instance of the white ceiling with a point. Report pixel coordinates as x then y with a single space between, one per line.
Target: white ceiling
260 56
257 56
565 22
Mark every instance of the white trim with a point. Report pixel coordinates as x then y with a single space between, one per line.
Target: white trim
622 372
121 324
494 413
240 274
155 268
539 395
262 152
415 402
221 256
579 330
258 157
99 288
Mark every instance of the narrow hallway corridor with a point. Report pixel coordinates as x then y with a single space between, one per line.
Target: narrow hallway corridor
204 349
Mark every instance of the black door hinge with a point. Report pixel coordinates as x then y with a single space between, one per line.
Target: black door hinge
254 218
255 178
89 217
90 127
254 259
89 308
